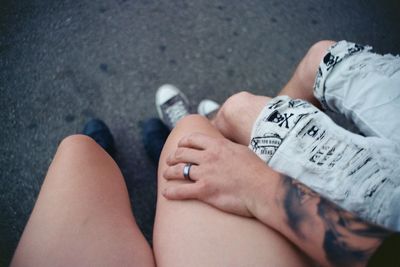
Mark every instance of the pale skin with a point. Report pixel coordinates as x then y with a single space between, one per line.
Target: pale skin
236 212
228 176
192 233
306 219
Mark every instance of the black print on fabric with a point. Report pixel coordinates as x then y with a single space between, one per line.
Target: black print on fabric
355 48
318 79
266 145
276 104
319 74
322 155
296 103
339 156
316 156
331 60
321 136
327 156
361 165
313 131
371 191
280 119
303 115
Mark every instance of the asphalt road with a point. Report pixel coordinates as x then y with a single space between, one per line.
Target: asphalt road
63 62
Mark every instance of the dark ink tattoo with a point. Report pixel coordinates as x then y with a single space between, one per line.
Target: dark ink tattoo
347 240
293 201
337 250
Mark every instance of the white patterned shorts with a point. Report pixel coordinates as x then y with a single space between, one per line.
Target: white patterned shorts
359 172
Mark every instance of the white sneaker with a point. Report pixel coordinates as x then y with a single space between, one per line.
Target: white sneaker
208 108
172 105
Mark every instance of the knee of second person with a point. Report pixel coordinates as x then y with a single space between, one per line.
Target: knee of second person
321 47
308 67
74 143
191 120
234 106
317 51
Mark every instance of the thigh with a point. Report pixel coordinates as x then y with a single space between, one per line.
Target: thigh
83 215
190 233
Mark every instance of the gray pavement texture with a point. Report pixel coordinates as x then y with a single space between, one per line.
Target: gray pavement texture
63 62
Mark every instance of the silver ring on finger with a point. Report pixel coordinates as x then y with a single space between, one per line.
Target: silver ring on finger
186 171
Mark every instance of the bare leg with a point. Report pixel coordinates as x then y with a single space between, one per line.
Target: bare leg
190 233
82 216
237 115
302 82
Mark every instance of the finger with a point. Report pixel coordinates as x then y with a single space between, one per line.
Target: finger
175 172
197 141
184 155
182 191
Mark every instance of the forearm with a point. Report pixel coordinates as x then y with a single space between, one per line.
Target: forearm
325 232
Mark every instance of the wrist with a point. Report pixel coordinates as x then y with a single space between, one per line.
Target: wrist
262 200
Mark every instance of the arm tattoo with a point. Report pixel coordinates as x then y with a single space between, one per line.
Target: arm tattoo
347 239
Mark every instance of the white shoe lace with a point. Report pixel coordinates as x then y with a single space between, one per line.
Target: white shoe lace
176 111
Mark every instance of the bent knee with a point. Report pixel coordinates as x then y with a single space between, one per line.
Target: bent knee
308 67
239 99
78 152
321 47
192 120
76 144
76 140
236 104
316 53
233 106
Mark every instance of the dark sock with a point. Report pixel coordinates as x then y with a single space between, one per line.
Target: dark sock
154 135
99 131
